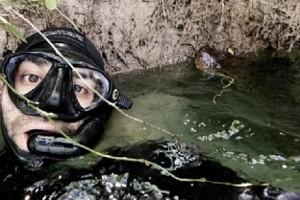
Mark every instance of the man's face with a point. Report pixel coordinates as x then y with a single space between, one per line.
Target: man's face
19 125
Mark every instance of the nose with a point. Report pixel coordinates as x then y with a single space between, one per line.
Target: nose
56 97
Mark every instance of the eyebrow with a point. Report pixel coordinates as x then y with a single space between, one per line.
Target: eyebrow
84 75
38 61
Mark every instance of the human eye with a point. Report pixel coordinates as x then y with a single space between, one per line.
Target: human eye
80 90
29 73
28 76
27 81
31 78
83 93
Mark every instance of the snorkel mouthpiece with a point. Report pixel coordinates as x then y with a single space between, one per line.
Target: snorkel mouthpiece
52 146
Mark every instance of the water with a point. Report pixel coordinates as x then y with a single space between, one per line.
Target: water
252 129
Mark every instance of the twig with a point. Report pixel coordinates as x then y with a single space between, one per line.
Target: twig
143 161
68 19
224 86
85 82
229 79
128 159
219 95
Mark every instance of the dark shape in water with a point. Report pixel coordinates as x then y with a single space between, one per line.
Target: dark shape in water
111 179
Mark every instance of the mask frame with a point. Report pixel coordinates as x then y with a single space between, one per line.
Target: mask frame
69 109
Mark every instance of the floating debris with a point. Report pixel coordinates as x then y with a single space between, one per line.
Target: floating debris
177 155
259 160
235 127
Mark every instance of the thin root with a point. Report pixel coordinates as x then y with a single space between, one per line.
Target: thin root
220 94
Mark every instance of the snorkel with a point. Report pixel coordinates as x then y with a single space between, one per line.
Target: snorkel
59 91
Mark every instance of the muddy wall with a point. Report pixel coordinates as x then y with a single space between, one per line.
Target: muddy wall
136 34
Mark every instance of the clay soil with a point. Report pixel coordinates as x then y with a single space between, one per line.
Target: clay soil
135 34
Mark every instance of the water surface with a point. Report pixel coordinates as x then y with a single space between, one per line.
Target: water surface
252 129
247 129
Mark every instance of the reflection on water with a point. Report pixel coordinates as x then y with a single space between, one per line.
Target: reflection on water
249 130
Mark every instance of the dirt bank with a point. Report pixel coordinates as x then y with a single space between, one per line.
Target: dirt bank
140 34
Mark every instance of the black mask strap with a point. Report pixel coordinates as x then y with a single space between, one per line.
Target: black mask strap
124 102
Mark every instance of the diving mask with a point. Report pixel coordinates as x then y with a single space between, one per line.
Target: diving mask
70 93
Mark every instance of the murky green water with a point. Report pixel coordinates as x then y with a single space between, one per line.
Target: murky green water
252 133
252 129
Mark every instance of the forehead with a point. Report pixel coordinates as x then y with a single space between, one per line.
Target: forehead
37 60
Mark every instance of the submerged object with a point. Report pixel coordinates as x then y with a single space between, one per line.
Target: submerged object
112 179
204 61
213 61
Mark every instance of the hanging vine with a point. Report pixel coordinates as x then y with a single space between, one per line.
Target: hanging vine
49 116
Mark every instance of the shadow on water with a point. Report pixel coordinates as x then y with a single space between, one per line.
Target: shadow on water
250 134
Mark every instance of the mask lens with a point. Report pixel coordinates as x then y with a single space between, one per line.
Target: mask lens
88 87
25 72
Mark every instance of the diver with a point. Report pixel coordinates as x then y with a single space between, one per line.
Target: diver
43 95
72 94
